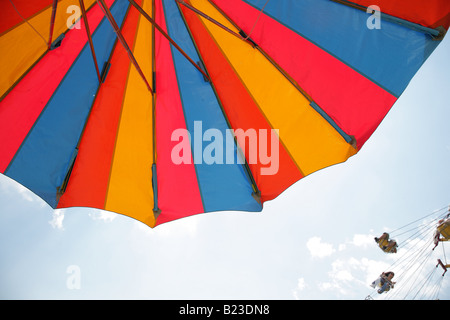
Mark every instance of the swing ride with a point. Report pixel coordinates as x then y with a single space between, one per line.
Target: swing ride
420 258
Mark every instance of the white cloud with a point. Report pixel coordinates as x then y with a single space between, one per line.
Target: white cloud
339 273
324 286
103 215
344 276
340 276
363 240
319 249
301 285
359 240
57 219
25 193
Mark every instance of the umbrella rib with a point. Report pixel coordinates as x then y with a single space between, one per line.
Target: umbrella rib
91 44
27 22
257 19
204 15
123 41
52 23
154 86
167 37
156 210
264 53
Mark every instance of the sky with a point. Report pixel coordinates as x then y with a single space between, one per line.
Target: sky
315 241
